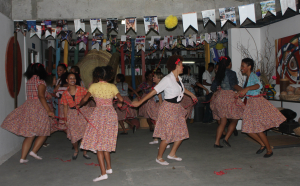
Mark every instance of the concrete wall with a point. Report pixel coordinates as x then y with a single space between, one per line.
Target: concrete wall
6 8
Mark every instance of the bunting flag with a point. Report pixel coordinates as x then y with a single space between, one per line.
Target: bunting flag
174 42
18 25
82 37
48 31
285 4
82 46
79 25
51 43
247 11
213 36
151 22
112 24
202 37
140 43
227 14
96 46
31 26
267 6
61 25
39 31
72 44
97 38
209 15
66 35
43 27
130 23
189 19
222 35
155 42
207 37
96 24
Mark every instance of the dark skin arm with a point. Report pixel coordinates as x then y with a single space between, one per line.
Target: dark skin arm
134 91
205 83
243 92
41 96
88 95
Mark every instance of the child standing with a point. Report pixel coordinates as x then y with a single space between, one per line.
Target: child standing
122 115
76 122
259 114
101 135
32 118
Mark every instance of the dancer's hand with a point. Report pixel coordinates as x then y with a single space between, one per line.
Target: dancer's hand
51 114
195 99
77 106
207 92
136 103
243 92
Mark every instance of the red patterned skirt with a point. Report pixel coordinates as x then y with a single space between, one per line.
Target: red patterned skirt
152 109
104 136
59 125
132 113
171 125
187 103
28 120
77 123
224 105
260 115
143 108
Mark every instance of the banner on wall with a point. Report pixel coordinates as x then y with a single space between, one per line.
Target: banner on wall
96 24
31 27
72 44
213 37
285 4
151 22
140 42
222 35
66 35
267 6
39 31
79 25
82 37
97 38
48 29
111 24
155 42
227 14
209 15
189 19
247 11
130 23
61 25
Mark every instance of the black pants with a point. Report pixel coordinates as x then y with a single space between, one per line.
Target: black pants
208 117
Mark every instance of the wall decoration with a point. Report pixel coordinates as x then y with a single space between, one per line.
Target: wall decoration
209 15
171 22
151 22
31 26
189 19
285 4
247 11
130 23
267 6
79 25
97 38
288 58
140 43
61 25
227 14
96 24
111 24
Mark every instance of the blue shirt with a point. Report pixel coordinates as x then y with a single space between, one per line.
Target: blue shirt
162 95
253 80
228 83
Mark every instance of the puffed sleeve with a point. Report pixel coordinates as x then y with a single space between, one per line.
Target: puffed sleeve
162 85
92 89
256 80
115 90
63 99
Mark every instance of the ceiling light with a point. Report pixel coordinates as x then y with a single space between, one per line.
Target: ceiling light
188 62
123 22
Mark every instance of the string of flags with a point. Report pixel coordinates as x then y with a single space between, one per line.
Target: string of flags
151 23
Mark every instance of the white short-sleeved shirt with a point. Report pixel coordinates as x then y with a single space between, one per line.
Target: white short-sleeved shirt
170 87
206 76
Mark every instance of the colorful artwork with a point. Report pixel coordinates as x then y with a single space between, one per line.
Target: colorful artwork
288 58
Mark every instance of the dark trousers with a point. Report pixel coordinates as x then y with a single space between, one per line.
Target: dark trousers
208 117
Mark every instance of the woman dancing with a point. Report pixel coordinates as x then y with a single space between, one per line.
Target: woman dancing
171 125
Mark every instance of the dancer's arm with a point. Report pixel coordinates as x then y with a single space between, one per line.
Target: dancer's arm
85 99
160 99
200 85
120 99
135 92
148 96
189 93
244 91
65 113
41 96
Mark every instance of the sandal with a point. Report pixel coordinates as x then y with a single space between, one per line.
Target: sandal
75 157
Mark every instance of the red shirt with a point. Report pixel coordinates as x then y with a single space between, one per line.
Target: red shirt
67 99
32 87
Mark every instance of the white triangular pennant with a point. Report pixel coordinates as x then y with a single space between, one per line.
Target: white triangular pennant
51 43
267 6
96 46
130 23
213 36
190 19
227 14
151 22
82 46
208 15
140 43
96 24
79 25
207 37
247 11
285 4
39 31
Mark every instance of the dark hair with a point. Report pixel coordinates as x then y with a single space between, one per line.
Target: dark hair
121 77
158 69
249 62
64 66
77 69
185 69
102 73
36 69
211 65
78 79
171 62
148 72
110 71
223 64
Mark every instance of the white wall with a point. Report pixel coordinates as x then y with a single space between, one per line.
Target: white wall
9 143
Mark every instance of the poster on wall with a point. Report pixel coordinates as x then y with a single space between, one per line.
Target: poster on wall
209 15
151 22
288 59
140 43
130 23
111 24
267 6
227 14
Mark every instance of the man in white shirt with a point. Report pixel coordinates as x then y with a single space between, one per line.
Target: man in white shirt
206 77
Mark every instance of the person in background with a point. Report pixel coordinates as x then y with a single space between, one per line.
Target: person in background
76 70
207 81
